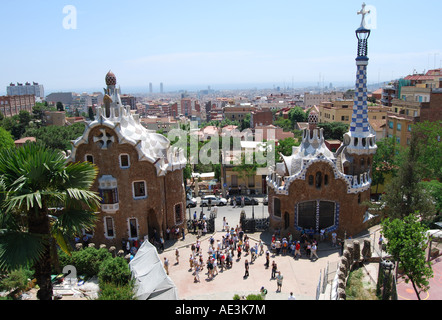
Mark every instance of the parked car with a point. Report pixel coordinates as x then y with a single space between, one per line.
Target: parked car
191 203
214 201
265 201
247 201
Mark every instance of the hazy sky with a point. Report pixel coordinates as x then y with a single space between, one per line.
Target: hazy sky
193 42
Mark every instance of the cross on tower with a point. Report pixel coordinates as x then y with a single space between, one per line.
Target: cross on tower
363 12
104 138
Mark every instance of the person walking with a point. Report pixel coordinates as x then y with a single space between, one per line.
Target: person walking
279 279
197 276
267 264
313 251
274 268
298 249
177 256
246 266
166 265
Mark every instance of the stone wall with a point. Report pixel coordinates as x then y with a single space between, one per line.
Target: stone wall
352 257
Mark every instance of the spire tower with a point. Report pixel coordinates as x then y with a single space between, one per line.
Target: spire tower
361 139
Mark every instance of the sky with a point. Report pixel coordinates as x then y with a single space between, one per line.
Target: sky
222 44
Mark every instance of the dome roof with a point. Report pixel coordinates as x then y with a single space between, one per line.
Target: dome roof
111 79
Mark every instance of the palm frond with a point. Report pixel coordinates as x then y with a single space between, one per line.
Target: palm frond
20 249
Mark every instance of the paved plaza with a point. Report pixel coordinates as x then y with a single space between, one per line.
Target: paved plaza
301 275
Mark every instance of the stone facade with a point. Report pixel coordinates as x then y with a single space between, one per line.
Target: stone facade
140 175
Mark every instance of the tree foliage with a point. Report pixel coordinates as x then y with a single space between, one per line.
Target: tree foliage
406 242
334 130
406 194
34 181
57 137
429 135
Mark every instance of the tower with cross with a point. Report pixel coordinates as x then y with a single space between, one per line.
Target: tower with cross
361 139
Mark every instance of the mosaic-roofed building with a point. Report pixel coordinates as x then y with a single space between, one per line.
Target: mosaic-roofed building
140 176
317 189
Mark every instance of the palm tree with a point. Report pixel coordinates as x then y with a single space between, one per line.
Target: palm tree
33 181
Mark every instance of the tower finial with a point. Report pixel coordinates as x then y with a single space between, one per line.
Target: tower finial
363 12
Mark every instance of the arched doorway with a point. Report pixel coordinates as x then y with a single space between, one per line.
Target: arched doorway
316 215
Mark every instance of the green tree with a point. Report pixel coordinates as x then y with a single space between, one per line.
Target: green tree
405 193
430 156
6 140
91 114
334 130
57 137
296 115
385 161
33 181
406 242
285 146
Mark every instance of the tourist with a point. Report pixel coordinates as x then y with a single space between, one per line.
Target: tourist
166 265
215 266
263 292
334 237
291 296
246 266
322 235
261 245
197 276
298 249
177 256
313 251
279 279
191 262
267 264
239 252
274 269
209 268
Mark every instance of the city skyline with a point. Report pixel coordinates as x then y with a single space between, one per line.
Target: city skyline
198 44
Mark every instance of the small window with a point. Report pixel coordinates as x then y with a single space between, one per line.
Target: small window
310 180
326 180
133 228
277 207
318 180
109 227
139 189
89 158
109 196
399 127
124 161
178 213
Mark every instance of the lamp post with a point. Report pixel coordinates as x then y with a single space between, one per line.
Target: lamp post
386 265
253 208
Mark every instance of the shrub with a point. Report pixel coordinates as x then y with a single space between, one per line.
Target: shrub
111 291
115 270
87 261
15 281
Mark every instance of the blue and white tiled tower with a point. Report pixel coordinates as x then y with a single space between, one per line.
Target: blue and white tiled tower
361 139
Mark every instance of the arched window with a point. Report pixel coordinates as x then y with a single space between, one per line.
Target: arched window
326 180
318 180
276 207
286 220
310 180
